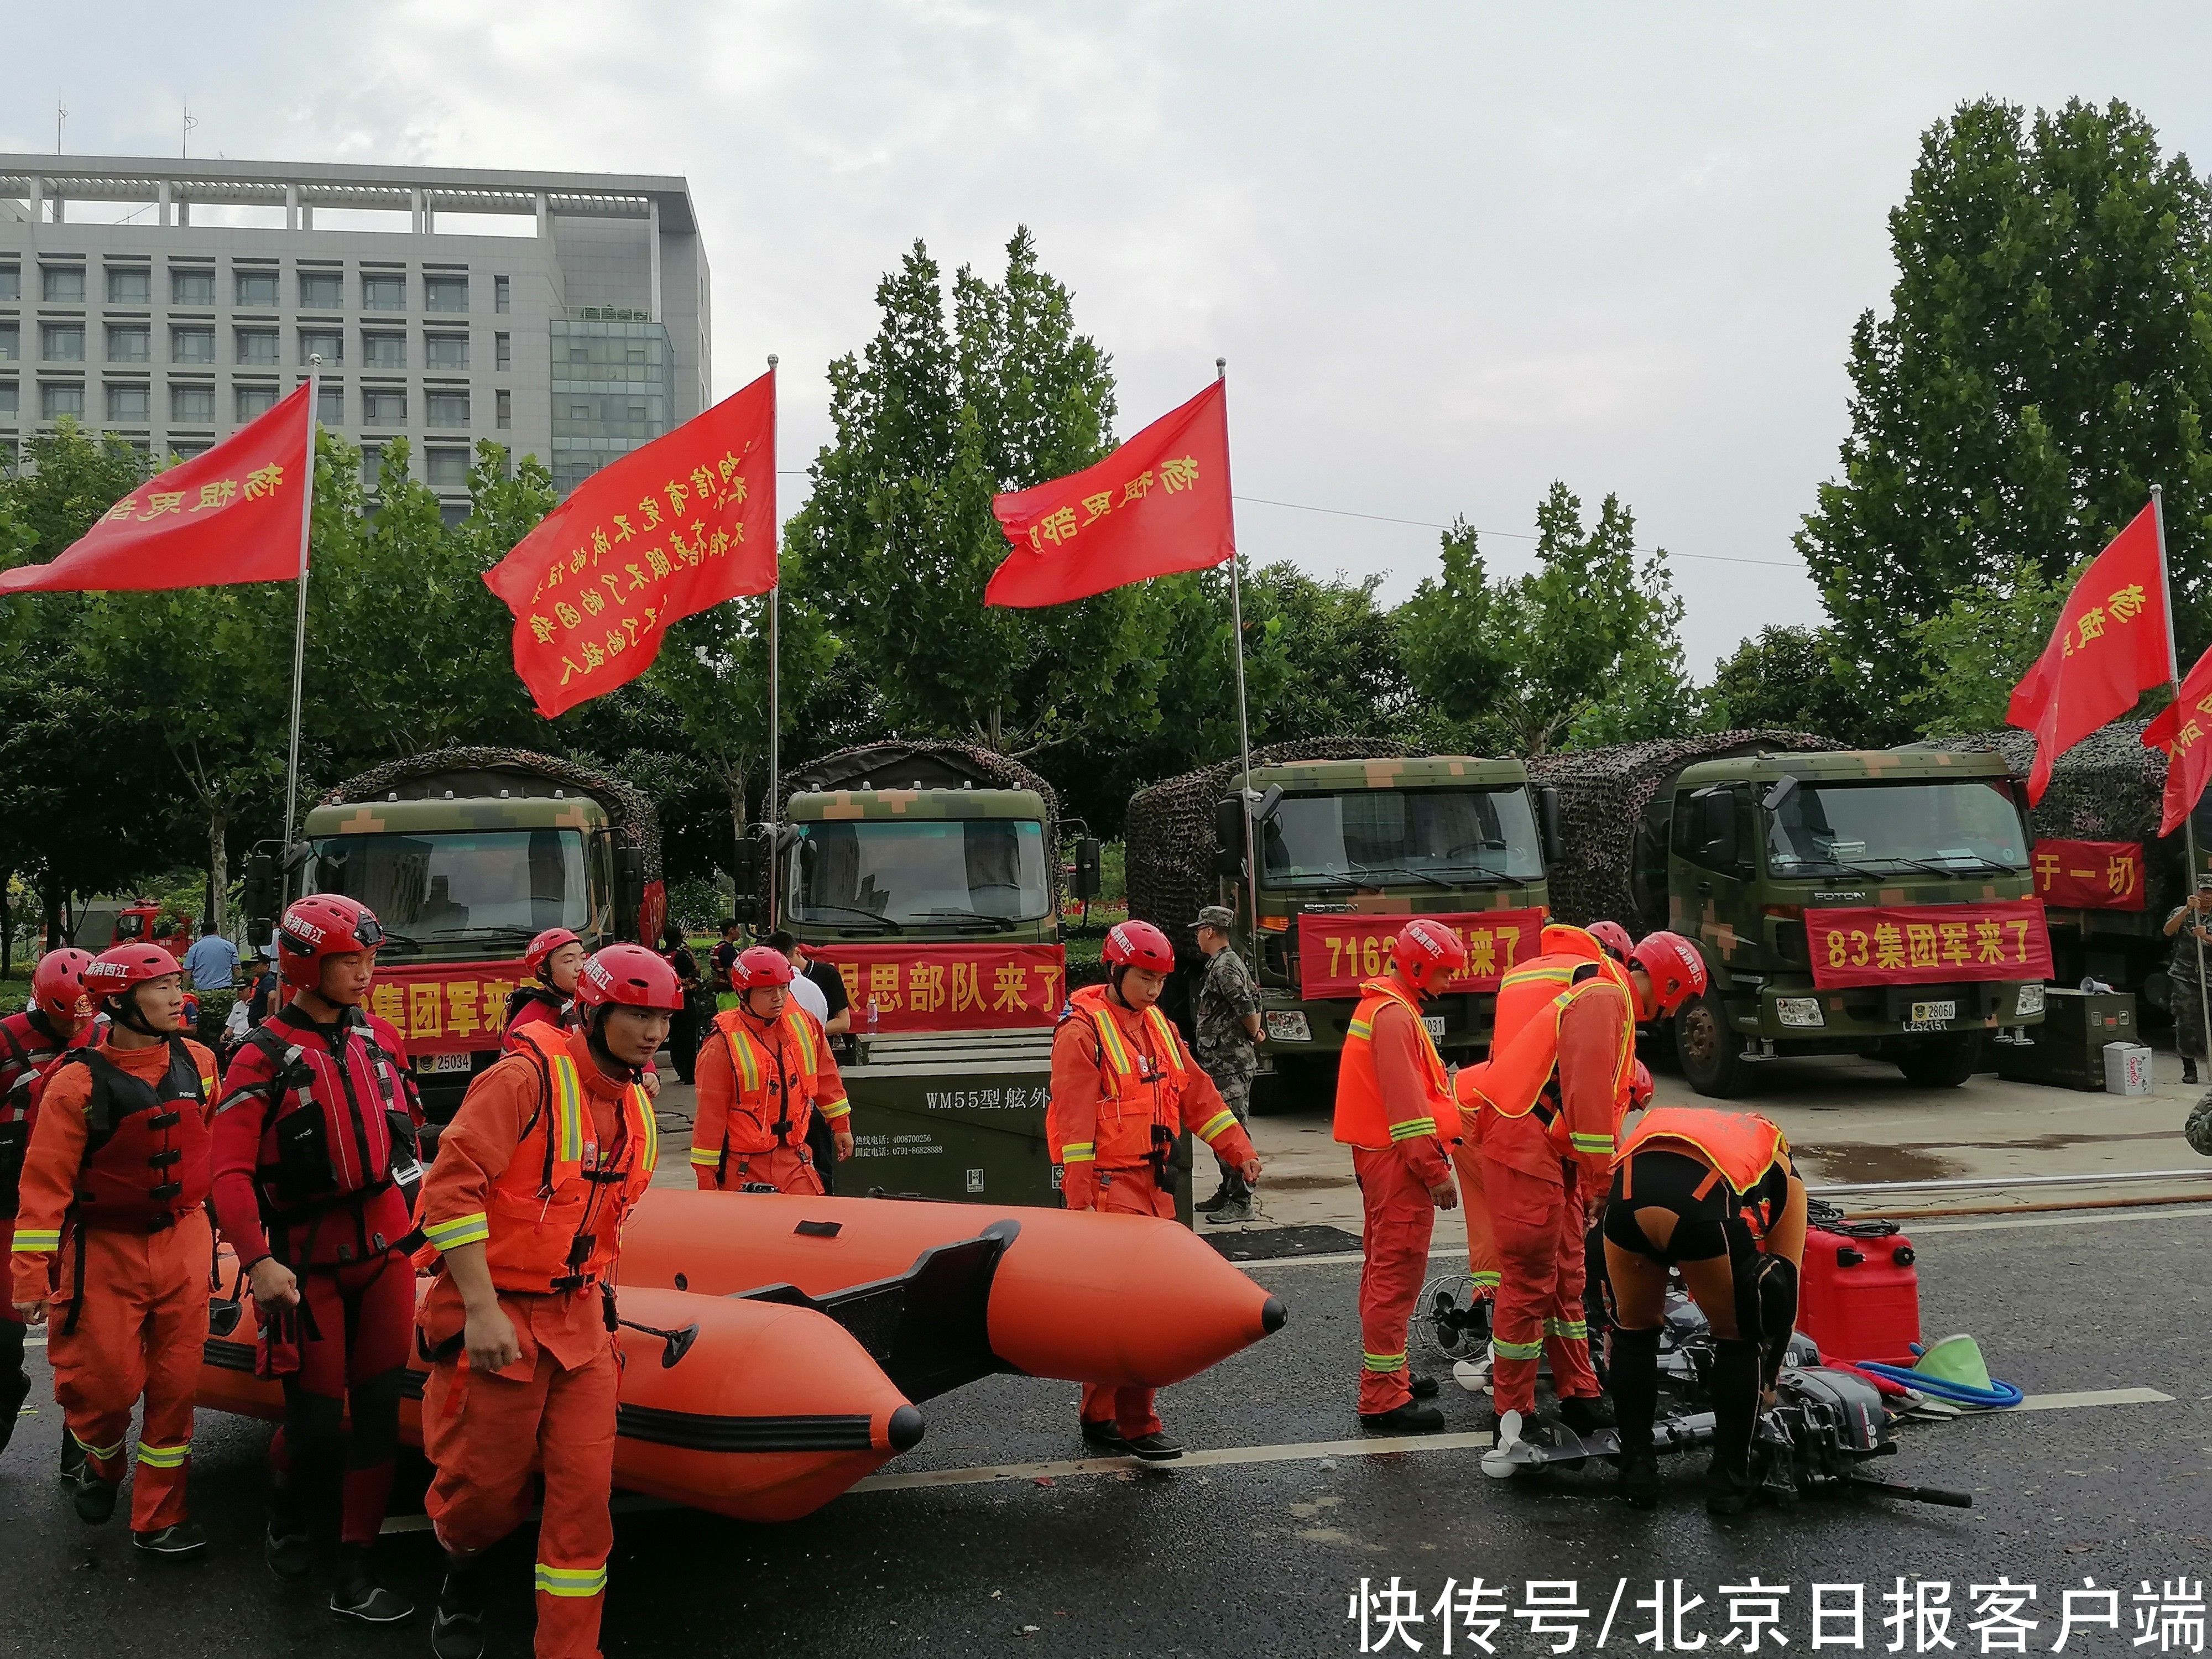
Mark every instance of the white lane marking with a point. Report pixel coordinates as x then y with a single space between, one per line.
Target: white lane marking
2059 1402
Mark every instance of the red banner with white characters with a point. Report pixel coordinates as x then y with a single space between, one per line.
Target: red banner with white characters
2089 875
950 988
1926 943
445 1007
1336 952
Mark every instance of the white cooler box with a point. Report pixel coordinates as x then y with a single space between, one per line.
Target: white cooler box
2127 1068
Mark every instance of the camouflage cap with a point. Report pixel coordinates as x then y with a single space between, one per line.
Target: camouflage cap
1218 915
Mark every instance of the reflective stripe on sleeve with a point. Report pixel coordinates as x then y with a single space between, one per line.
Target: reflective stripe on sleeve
461 1230
37 1240
838 1108
1218 1124
705 1158
1360 1028
1598 1145
1080 1152
1412 1128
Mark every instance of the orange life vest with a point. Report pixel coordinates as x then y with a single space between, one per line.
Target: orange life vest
1525 1039
1137 1091
1363 1116
775 1076
555 1216
1741 1147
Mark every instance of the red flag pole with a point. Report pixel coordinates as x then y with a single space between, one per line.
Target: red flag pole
775 813
300 619
2189 821
1244 725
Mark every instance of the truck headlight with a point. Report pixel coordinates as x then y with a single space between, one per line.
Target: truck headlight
1288 1026
2030 1000
1798 1011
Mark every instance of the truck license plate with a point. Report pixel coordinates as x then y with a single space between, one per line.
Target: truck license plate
443 1063
1925 1014
1435 1023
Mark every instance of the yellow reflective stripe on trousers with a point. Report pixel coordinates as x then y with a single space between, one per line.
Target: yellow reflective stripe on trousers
571 1580
1503 1350
1219 1123
1483 1281
1573 1329
162 1457
473 1229
1080 1152
37 1240
1383 1361
103 1452
1412 1126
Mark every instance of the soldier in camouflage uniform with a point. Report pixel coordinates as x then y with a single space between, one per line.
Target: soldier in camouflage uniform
1226 1007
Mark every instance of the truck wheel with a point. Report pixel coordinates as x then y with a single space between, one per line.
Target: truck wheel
1709 1048
1944 1062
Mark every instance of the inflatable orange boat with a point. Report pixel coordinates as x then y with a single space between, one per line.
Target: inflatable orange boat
751 1409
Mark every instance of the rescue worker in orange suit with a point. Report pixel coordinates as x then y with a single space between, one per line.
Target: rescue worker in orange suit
114 1184
1549 1102
1124 1088
30 1041
1712 1195
552 1147
761 1078
1394 1109
316 1162
553 957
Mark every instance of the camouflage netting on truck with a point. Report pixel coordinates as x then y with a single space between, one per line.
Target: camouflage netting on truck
1605 797
1170 833
486 771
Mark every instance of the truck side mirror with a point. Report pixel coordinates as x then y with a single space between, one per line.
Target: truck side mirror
1784 786
1264 808
1089 861
1229 838
630 876
749 878
258 898
1548 825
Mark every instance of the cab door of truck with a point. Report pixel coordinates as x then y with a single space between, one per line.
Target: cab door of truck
1714 866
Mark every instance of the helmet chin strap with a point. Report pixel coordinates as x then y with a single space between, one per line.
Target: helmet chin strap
595 1034
124 1009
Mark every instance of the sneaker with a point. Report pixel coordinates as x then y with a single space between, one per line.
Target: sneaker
1232 1211
1498 1462
285 1544
1411 1417
1104 1435
457 1627
178 1543
1153 1448
1423 1387
1220 1197
93 1498
1586 1413
358 1595
1638 1481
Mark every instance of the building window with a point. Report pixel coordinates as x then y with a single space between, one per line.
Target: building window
372 466
504 407
61 342
190 449
255 401
383 408
62 285
502 351
257 347
57 398
383 293
256 288
130 342
191 345
382 350
580 411
132 405
446 409
129 285
192 404
11 342
448 468
190 287
502 294
328 343
329 404
9 400
445 294
321 290
11 282
445 351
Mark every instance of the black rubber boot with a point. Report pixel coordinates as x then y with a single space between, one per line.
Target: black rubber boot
285 1545
1415 1417
357 1594
1729 1487
93 1498
1423 1387
184 1541
72 1458
1635 1373
457 1628
1586 1413
15 1389
2188 1069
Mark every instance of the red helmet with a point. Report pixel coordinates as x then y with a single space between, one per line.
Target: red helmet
1639 1087
322 925
1677 971
1614 938
1137 945
58 984
759 966
116 970
1427 952
629 976
543 947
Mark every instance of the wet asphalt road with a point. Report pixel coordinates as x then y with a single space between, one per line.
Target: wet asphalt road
1261 1557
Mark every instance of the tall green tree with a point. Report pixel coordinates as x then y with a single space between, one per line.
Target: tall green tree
2046 357
1784 678
1976 648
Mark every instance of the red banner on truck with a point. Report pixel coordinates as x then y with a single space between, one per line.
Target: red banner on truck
2089 875
445 1007
950 988
1925 943
1336 952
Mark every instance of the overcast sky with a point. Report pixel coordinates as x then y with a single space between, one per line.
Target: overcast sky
1451 252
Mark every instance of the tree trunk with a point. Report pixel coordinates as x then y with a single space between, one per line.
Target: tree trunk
218 865
49 906
7 926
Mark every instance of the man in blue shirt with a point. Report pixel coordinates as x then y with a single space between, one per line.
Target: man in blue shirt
212 962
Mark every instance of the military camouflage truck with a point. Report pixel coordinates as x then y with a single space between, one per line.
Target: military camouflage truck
466 855
928 874
1352 837
1846 903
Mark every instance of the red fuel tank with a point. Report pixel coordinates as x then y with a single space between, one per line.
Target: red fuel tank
1859 1296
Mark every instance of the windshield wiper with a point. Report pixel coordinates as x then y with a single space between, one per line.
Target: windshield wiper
1001 924
812 913
1934 868
1401 870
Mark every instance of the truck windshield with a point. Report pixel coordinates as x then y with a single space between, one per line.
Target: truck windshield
1885 828
926 873
478 889
1397 838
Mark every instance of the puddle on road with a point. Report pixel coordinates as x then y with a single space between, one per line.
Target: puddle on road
1306 1183
1857 1163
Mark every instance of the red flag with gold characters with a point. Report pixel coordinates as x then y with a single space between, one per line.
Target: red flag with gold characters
234 514
1157 505
685 523
2181 730
2111 646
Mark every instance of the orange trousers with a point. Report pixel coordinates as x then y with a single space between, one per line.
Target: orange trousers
1539 1226
1475 1209
483 1445
140 1332
1398 1220
786 1168
1127 1192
